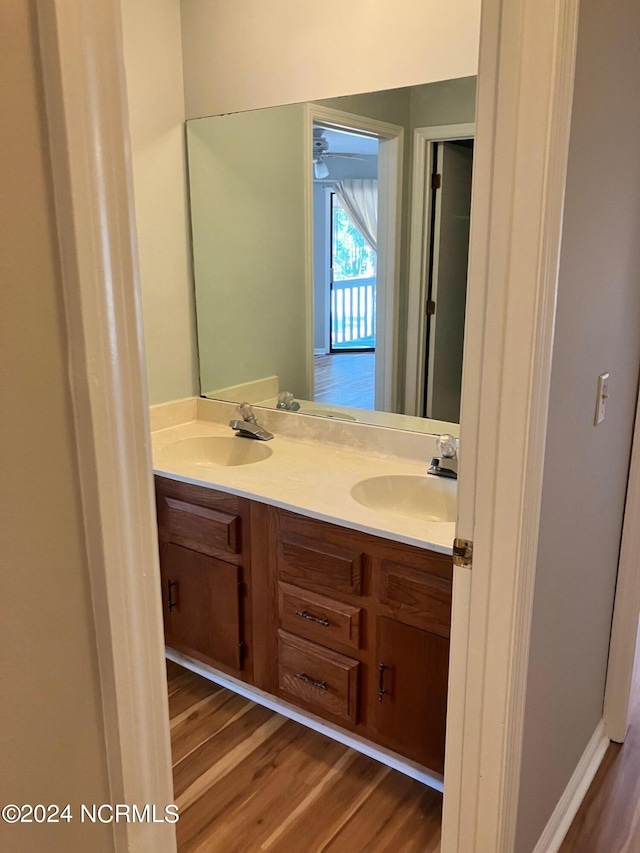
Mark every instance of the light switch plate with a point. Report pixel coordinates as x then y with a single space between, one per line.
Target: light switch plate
603 396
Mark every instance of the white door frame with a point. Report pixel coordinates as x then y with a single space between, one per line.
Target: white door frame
424 142
85 97
527 62
390 155
523 119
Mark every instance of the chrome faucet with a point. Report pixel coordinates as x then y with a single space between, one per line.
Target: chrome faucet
249 427
286 401
448 448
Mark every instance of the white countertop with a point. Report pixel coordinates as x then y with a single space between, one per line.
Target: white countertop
312 479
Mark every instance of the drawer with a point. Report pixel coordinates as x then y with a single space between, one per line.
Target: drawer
322 680
197 523
316 617
318 565
416 597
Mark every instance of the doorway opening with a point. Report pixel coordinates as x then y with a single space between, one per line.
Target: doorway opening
446 296
355 191
438 261
345 226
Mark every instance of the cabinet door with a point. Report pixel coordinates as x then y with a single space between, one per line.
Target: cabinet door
412 669
201 604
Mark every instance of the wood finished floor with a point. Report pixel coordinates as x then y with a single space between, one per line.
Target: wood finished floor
247 779
608 821
345 379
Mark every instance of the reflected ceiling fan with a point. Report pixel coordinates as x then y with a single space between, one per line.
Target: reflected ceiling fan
321 154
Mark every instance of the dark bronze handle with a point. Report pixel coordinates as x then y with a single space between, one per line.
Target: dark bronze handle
305 615
320 685
381 688
170 601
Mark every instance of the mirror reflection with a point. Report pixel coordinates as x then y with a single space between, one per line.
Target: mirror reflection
330 246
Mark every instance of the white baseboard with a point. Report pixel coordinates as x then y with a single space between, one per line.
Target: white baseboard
360 744
320 351
574 793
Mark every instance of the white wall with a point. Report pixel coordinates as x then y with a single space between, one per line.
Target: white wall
597 330
52 730
238 56
153 60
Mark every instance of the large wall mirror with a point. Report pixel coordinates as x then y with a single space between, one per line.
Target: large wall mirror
330 247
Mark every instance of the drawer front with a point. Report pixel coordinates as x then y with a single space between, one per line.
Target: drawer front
319 618
322 680
318 565
415 597
197 523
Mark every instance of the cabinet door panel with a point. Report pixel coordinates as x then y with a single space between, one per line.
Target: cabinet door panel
201 604
411 711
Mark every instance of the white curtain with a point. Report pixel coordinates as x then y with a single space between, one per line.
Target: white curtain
359 198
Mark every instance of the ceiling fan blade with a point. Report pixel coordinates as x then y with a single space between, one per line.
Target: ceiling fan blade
347 156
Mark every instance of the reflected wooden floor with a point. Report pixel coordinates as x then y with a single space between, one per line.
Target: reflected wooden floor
247 779
345 379
608 820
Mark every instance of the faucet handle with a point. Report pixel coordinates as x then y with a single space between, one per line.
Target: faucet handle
285 400
447 446
245 410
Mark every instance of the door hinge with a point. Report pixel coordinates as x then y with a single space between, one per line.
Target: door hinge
436 181
463 553
430 308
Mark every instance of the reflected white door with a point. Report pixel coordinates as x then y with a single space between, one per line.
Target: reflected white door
449 280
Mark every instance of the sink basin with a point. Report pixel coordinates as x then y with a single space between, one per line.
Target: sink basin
209 451
424 497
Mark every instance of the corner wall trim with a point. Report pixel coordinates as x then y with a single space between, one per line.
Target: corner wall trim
574 793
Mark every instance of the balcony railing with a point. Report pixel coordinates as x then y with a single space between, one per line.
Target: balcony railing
353 314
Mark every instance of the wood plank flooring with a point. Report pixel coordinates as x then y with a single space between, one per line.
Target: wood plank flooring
247 779
345 379
608 821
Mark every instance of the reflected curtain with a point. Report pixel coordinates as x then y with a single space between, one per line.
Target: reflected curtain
359 198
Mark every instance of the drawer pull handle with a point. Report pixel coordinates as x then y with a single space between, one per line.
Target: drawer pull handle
320 685
306 615
171 602
381 688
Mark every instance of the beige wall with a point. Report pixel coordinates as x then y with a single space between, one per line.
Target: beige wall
239 56
248 197
51 726
153 60
597 330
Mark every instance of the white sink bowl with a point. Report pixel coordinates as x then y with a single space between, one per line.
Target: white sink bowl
426 497
209 451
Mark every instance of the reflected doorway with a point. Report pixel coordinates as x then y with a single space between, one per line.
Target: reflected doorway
345 222
447 278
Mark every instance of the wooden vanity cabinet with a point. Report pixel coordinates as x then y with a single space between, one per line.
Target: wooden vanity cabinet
351 627
204 559
377 609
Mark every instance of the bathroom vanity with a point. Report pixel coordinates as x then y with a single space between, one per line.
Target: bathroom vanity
349 626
